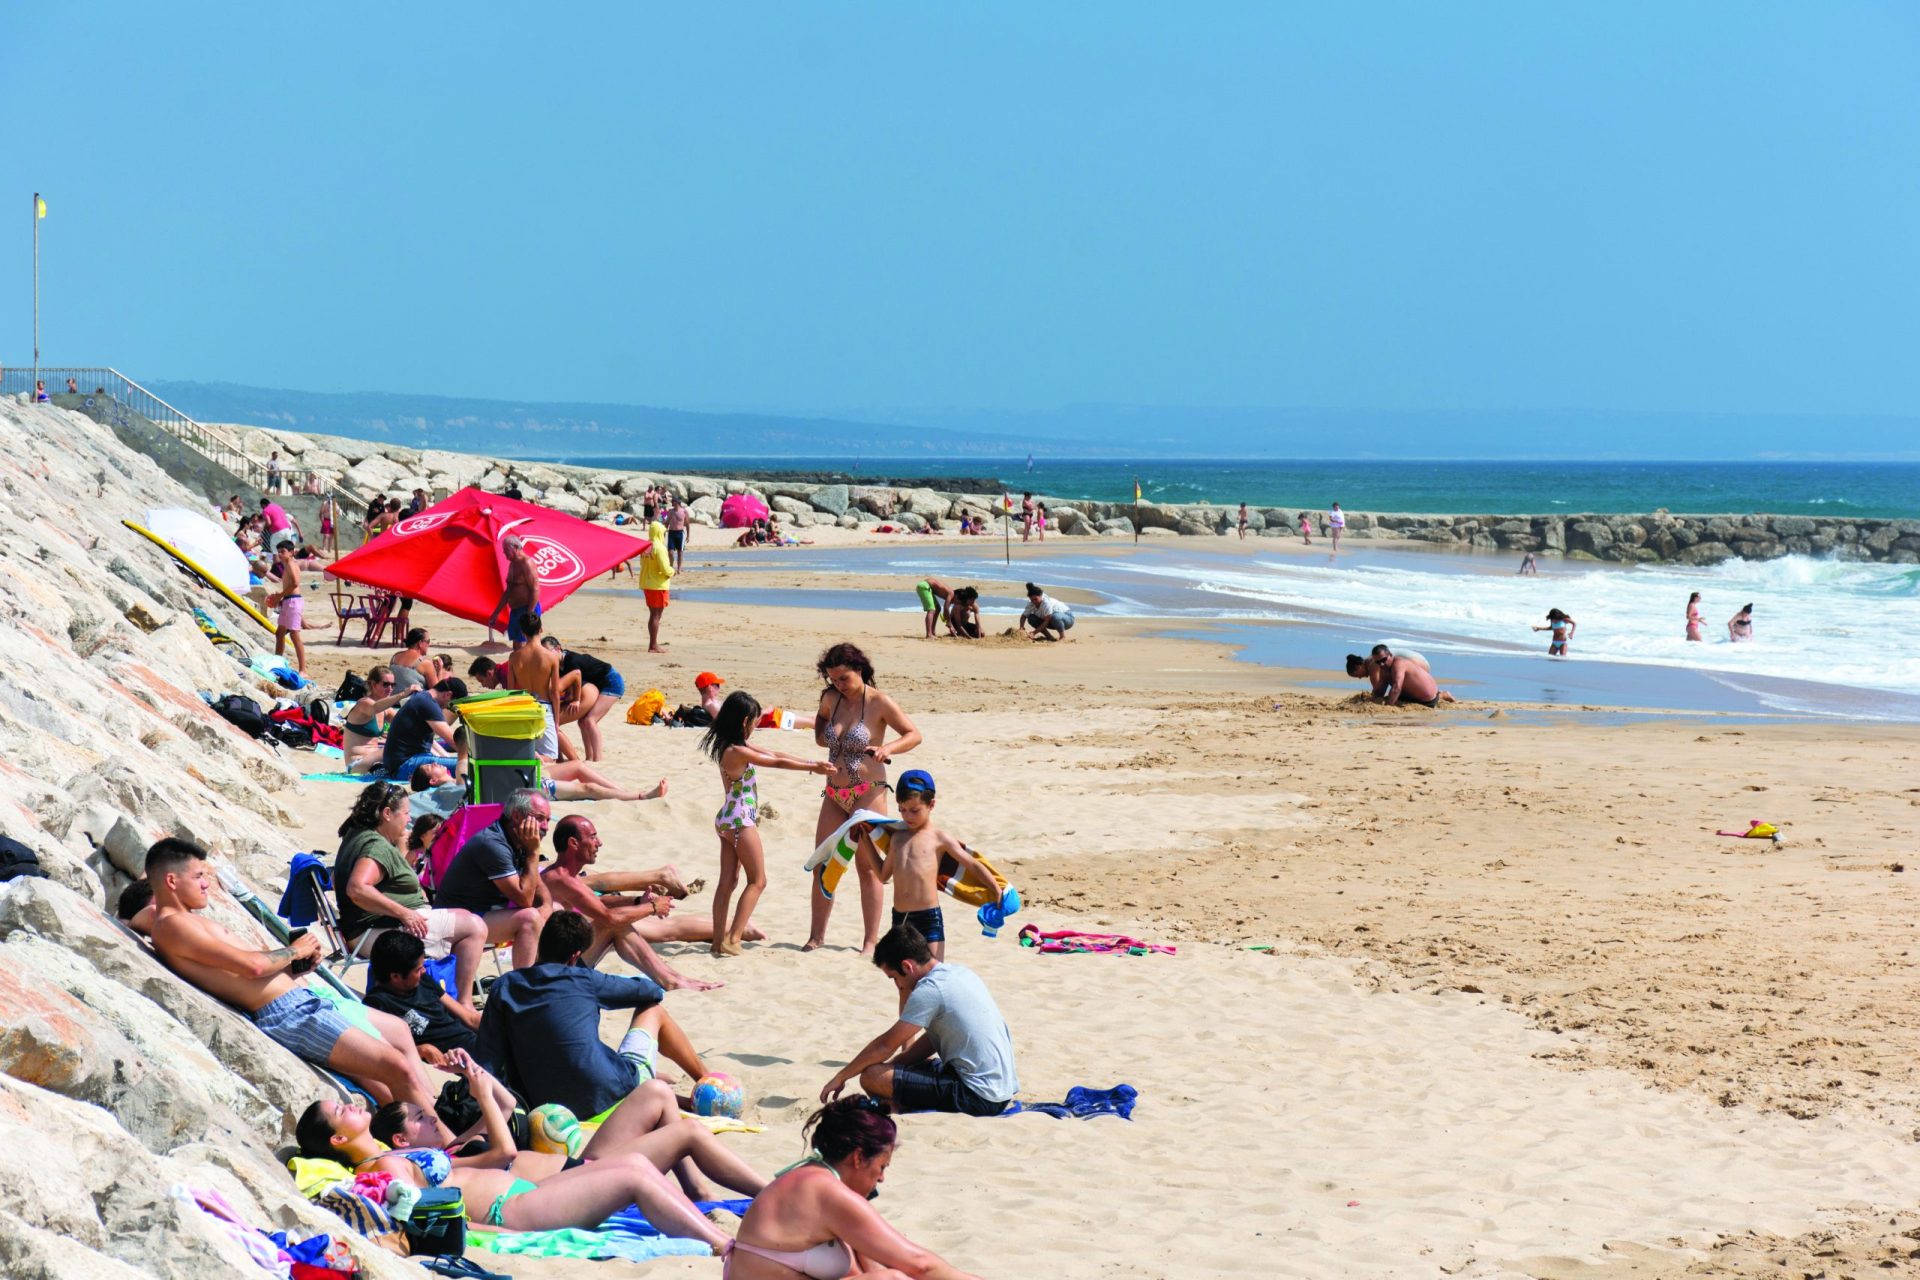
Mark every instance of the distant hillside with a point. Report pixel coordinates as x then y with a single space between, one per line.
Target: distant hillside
558 430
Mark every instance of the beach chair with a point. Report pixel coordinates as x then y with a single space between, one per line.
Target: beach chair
382 606
348 607
309 903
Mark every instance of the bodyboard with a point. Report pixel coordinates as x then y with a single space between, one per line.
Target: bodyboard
244 605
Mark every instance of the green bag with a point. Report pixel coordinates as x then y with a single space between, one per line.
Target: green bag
437 1227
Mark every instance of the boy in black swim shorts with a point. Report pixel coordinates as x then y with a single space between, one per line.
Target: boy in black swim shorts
913 863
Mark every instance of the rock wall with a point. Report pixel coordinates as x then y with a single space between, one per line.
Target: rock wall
117 1081
367 468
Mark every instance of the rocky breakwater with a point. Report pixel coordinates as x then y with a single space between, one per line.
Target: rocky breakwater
369 468
117 1081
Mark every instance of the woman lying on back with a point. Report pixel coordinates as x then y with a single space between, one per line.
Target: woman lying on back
815 1218
582 1197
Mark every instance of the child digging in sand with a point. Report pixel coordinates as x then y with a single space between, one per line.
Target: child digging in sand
739 816
914 862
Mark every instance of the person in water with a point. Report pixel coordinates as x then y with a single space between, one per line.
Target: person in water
816 1218
1561 628
1696 625
1740 625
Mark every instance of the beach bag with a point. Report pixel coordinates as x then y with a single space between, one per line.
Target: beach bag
352 688
437 1227
646 707
693 717
17 860
243 713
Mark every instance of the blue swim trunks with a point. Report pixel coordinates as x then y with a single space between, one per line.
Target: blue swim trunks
516 622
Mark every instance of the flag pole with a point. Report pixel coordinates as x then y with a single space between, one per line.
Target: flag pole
36 293
1136 510
1006 526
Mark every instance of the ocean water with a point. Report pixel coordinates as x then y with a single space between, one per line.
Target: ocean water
1829 635
1877 489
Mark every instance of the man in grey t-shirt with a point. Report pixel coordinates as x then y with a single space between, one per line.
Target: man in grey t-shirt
950 1050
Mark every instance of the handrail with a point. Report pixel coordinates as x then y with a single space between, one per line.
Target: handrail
210 442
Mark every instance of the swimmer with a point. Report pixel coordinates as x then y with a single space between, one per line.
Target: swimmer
1561 626
1740 625
1696 625
1529 567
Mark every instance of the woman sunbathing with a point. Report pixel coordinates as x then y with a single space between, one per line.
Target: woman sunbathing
815 1220
647 1124
495 1196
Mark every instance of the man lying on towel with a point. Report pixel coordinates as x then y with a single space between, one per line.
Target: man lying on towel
375 1050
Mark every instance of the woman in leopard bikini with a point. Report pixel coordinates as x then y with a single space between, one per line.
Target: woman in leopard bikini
852 724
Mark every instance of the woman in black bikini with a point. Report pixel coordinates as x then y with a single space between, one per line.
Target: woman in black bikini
852 725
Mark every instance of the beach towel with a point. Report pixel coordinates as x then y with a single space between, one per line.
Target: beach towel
1082 1103
1073 941
227 1220
625 1235
297 905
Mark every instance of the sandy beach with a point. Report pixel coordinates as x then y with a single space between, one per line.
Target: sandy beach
1474 992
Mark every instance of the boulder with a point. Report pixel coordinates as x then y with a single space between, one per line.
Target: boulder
926 503
705 510
791 507
461 469
571 504
373 474
1116 524
831 498
908 520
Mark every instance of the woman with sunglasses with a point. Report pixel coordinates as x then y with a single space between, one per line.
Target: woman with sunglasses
816 1219
367 721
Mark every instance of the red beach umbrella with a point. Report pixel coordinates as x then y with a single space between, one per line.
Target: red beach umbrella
741 510
449 555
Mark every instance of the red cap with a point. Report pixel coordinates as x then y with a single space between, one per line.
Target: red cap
706 679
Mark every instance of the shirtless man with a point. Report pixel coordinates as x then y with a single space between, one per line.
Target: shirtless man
521 599
622 922
292 617
535 668
1409 681
373 1049
675 519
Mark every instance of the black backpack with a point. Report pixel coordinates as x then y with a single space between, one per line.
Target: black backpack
18 860
243 713
352 688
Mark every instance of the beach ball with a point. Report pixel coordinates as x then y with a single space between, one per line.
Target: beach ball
555 1130
719 1094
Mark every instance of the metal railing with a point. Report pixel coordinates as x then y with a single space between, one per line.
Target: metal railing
106 392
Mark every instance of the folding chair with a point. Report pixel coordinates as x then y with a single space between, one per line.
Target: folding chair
380 606
309 901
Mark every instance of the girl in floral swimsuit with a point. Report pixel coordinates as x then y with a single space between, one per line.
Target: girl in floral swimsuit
738 821
852 725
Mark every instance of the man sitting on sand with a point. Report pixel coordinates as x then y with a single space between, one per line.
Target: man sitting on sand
496 875
627 925
541 1030
398 983
950 1049
418 725
373 1049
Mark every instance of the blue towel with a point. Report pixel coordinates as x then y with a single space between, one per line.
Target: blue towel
1083 1103
297 906
632 1223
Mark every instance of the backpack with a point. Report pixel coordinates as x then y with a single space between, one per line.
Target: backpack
243 713
352 688
17 860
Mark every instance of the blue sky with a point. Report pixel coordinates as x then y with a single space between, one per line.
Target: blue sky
1693 207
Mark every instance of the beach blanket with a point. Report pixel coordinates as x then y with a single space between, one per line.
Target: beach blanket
1073 941
1082 1103
625 1235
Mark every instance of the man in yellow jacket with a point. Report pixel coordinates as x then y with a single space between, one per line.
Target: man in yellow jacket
655 572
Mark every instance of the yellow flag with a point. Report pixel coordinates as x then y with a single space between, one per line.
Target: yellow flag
1136 491
39 207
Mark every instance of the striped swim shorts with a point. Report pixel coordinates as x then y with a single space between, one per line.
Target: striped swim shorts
307 1023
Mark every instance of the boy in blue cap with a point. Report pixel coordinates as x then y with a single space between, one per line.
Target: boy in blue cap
913 863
